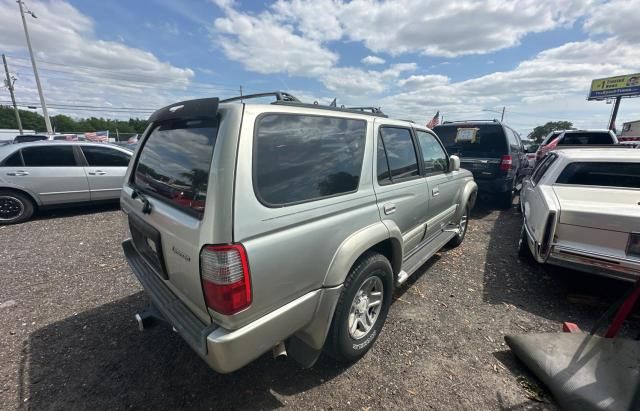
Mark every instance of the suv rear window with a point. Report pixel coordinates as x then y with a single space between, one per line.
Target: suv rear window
601 174
174 163
586 138
489 140
300 158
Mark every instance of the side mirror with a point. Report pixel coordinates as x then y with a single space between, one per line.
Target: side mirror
454 163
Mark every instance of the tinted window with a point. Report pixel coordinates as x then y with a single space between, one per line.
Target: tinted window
105 157
511 136
542 168
550 137
434 157
602 174
383 165
490 140
14 160
300 158
174 163
586 138
49 156
400 151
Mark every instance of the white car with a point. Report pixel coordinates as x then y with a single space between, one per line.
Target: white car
581 210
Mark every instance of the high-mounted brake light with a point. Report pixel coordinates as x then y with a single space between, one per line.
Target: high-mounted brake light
226 281
506 162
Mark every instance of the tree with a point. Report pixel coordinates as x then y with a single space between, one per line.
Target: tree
541 132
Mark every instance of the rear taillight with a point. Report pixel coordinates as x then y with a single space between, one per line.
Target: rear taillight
506 162
225 278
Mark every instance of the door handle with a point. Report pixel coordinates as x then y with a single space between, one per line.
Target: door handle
18 173
97 173
435 192
389 208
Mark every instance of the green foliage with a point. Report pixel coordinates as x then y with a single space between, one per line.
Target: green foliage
62 123
541 132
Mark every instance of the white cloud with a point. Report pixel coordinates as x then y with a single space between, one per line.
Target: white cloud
373 60
77 68
618 17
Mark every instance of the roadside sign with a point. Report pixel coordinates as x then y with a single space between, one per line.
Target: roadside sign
619 86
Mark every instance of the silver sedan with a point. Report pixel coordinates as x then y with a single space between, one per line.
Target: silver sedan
51 173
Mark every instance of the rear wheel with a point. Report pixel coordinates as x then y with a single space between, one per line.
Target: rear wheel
15 207
362 308
524 252
505 200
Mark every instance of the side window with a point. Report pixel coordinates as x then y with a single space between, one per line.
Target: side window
542 168
300 158
383 166
401 154
14 160
49 156
434 157
105 157
511 136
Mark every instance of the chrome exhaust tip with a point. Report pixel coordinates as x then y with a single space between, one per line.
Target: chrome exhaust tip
280 351
140 322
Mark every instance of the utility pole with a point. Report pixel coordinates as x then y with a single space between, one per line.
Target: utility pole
10 82
45 113
503 109
241 92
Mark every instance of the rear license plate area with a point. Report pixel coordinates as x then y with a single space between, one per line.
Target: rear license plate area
147 242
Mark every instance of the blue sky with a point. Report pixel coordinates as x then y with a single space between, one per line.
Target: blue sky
410 57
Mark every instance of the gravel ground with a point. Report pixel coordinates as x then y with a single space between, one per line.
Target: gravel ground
68 338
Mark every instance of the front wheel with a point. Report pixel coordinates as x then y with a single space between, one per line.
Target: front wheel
362 308
462 228
524 252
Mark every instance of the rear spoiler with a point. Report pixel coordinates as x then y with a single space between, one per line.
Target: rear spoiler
203 108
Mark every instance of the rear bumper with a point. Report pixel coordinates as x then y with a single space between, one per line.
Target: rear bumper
595 263
497 185
228 350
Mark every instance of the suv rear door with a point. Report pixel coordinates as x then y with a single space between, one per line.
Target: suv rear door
400 189
170 184
480 146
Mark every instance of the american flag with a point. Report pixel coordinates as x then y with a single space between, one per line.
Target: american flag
434 121
98 136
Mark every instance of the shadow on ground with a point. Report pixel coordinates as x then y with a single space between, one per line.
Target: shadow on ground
98 359
553 293
75 210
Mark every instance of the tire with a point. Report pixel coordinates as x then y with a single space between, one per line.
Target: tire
463 224
524 252
15 207
372 273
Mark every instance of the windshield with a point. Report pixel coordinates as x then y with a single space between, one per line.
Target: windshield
174 164
486 140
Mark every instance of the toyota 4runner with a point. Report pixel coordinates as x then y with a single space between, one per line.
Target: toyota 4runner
284 225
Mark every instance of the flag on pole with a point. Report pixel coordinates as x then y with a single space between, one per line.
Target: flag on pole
434 121
98 136
333 103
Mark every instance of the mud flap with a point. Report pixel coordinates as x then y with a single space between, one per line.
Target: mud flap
583 372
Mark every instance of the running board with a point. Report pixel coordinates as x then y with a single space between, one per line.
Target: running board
421 256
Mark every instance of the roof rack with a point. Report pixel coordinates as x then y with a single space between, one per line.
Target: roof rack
288 99
495 120
279 95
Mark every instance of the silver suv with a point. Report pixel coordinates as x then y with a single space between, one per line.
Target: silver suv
285 225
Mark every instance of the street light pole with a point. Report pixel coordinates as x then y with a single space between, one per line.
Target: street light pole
45 113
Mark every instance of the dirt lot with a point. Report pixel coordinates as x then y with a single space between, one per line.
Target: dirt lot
68 338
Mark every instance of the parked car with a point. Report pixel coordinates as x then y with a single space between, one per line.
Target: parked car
580 210
557 139
51 173
492 151
284 225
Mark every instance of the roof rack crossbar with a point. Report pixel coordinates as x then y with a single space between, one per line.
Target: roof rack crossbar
495 120
279 95
331 108
374 110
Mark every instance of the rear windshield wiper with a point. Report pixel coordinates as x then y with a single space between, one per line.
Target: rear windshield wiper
146 205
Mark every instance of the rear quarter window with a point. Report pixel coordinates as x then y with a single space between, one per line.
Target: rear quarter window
586 138
625 175
174 164
300 158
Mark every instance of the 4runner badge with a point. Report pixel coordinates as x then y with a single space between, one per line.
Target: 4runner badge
180 253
